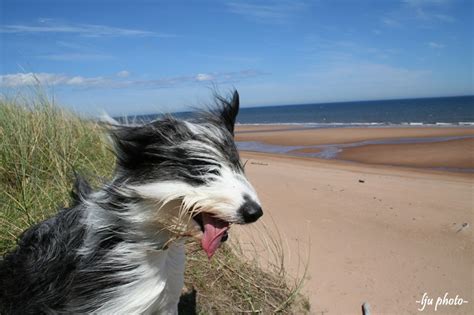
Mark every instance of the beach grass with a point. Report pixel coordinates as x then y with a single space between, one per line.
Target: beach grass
42 145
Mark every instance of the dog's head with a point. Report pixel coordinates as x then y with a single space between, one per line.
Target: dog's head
188 174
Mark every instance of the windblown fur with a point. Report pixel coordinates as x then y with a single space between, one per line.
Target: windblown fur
119 250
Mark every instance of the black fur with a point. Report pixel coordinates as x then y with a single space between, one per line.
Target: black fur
42 266
44 271
229 110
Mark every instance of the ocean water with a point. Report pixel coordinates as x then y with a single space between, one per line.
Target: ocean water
422 111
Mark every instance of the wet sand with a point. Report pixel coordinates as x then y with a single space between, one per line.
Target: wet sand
309 137
375 233
457 154
246 128
448 154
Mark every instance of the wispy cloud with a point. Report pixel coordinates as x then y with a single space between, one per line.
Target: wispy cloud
204 77
216 77
75 57
391 22
74 46
74 51
418 3
436 45
123 74
86 30
119 80
430 10
429 16
25 79
276 11
422 13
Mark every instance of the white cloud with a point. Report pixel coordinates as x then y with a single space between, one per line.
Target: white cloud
44 20
204 77
429 10
20 79
436 45
87 30
25 79
28 79
421 13
123 74
76 81
419 3
76 57
276 11
88 82
391 22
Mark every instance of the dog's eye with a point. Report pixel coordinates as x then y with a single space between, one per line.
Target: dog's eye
214 172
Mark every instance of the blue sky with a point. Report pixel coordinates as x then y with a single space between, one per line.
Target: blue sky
129 57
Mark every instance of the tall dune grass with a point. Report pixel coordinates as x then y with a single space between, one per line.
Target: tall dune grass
41 146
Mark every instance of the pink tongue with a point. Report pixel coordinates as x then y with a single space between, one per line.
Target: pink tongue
214 230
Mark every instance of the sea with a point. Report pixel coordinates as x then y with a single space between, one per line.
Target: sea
440 111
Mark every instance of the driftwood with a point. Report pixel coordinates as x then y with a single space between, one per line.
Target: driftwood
463 226
365 309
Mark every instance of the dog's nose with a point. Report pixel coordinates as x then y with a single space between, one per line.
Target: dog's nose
250 211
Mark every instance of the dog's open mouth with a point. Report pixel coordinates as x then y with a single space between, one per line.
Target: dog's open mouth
214 232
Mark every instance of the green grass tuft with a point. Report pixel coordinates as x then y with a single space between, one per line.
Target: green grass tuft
42 145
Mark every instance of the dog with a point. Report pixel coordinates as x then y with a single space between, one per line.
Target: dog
120 249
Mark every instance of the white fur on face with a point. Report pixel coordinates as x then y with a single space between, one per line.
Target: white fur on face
221 196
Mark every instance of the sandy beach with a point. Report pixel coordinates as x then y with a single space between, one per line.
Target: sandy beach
308 137
384 230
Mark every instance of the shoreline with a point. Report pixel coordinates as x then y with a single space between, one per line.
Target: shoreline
441 148
262 128
317 136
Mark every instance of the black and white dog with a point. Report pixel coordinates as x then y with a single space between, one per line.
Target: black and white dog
120 250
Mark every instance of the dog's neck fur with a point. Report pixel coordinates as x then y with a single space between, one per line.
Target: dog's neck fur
152 263
158 281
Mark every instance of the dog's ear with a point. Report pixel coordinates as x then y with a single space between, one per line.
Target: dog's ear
141 144
129 144
229 111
